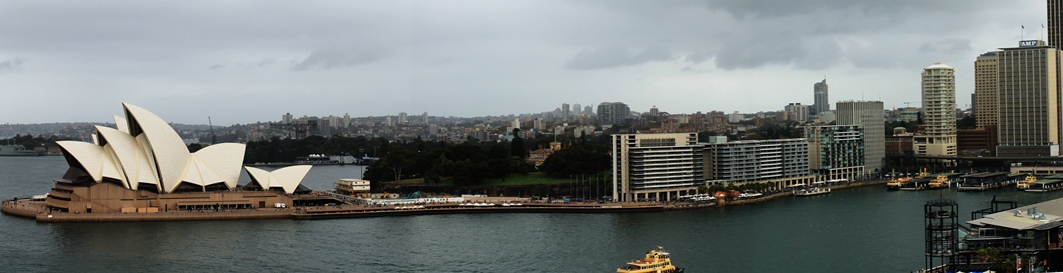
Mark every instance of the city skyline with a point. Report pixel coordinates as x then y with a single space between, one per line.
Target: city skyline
244 63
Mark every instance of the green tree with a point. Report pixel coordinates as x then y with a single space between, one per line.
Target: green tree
516 147
397 159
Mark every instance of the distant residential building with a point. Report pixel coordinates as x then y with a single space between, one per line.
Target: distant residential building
837 151
821 102
870 115
402 118
655 166
424 117
654 112
756 160
286 118
1028 91
910 114
613 113
587 110
565 112
827 117
735 117
796 112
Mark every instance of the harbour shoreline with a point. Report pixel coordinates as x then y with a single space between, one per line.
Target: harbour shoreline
37 211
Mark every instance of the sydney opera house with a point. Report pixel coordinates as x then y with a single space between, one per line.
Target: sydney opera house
143 166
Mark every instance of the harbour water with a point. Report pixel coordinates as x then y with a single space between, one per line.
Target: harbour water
862 229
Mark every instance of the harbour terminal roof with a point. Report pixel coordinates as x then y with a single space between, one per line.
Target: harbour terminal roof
144 152
1037 217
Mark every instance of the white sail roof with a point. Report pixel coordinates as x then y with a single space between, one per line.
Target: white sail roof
145 149
287 178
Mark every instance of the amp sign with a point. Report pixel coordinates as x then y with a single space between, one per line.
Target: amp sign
1026 43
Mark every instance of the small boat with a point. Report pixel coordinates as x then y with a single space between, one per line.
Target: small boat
656 261
746 195
812 191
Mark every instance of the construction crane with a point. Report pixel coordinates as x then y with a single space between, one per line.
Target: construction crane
213 138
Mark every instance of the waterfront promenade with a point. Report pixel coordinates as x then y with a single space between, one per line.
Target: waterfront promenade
36 210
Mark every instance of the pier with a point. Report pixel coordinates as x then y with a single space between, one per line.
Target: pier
984 181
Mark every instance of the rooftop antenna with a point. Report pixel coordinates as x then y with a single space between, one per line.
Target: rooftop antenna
213 138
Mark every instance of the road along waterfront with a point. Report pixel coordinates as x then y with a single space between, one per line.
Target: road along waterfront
856 229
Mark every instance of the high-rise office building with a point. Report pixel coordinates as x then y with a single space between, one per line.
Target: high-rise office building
402 117
870 115
822 102
576 110
346 120
939 112
1028 92
587 110
985 89
424 117
1055 23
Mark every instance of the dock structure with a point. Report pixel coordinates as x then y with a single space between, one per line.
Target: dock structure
984 181
1047 184
917 184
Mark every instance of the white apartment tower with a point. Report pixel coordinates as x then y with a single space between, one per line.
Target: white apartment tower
939 112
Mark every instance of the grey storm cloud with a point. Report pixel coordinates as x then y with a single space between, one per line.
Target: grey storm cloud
337 57
616 56
944 46
753 9
11 65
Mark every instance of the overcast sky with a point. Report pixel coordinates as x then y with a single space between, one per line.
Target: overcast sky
241 62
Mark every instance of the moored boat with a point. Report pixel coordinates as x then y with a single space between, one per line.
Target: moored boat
939 183
656 261
897 184
1026 183
812 191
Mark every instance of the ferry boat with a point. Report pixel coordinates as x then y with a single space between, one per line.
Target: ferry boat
1026 183
656 261
896 184
812 191
939 183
